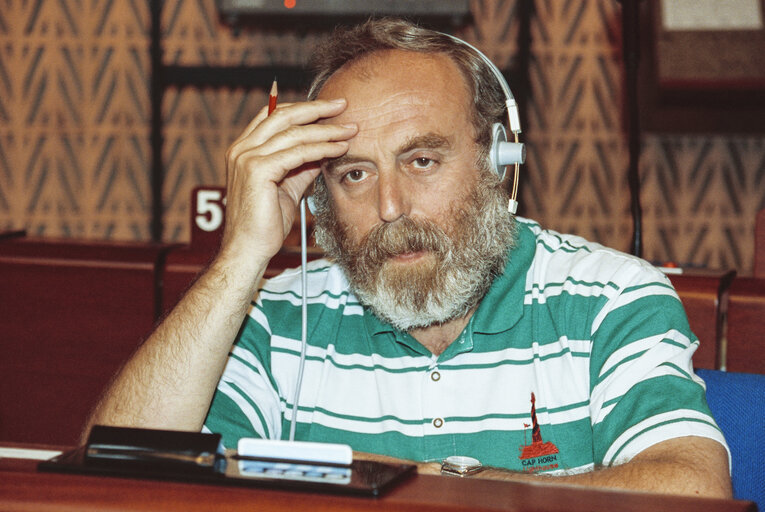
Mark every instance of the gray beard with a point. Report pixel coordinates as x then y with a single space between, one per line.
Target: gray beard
462 260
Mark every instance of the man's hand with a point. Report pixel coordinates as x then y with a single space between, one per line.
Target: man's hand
269 168
170 380
694 466
690 465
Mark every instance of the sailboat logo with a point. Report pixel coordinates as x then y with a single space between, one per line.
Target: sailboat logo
539 455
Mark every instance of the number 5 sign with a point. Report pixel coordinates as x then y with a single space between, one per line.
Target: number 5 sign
208 209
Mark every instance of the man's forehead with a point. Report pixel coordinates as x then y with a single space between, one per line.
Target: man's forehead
397 86
411 67
401 101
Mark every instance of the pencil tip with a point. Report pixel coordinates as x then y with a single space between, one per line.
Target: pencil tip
273 88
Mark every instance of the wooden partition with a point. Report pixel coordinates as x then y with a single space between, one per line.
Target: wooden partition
745 337
705 299
759 244
71 313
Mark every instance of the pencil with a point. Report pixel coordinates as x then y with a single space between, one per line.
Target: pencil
272 98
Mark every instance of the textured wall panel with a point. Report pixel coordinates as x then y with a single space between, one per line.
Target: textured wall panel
699 196
74 126
576 175
200 125
74 112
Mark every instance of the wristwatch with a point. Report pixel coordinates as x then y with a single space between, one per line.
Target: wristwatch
459 465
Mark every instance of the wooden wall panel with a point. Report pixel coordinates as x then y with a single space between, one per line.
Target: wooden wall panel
74 125
700 199
74 119
576 172
71 314
745 336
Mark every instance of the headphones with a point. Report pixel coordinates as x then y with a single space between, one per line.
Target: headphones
502 152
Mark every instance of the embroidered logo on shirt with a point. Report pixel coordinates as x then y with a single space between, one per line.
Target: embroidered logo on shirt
539 455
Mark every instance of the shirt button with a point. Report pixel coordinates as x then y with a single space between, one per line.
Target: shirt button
438 422
435 376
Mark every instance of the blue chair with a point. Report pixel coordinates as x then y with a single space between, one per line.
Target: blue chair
737 401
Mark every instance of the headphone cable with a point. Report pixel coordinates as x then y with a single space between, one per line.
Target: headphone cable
304 316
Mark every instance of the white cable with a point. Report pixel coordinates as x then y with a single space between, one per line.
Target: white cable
304 317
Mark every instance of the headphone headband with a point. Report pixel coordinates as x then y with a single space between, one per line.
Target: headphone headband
513 118
502 152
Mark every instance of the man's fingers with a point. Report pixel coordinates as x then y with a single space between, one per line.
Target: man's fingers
263 127
305 112
267 159
275 166
309 134
259 117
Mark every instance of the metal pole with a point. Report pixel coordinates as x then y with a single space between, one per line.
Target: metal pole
631 55
157 91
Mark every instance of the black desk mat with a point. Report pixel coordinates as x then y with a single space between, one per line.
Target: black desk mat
367 478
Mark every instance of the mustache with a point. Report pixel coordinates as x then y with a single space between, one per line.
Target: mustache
406 235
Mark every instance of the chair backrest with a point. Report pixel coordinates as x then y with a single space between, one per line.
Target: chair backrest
745 328
737 401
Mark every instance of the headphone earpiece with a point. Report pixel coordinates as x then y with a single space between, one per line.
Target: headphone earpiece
309 201
504 153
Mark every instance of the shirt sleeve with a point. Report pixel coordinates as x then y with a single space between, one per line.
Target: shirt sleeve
246 403
642 386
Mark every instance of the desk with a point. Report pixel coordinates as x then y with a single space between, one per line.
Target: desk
22 488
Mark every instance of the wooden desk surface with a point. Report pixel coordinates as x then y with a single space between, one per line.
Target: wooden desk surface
23 488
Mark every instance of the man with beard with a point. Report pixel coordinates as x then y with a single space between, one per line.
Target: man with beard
439 325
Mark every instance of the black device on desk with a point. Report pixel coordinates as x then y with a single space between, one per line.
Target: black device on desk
199 458
154 450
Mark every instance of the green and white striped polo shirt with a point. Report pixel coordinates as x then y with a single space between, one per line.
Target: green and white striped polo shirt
598 337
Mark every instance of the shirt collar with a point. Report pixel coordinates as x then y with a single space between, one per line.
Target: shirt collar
502 306
376 327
